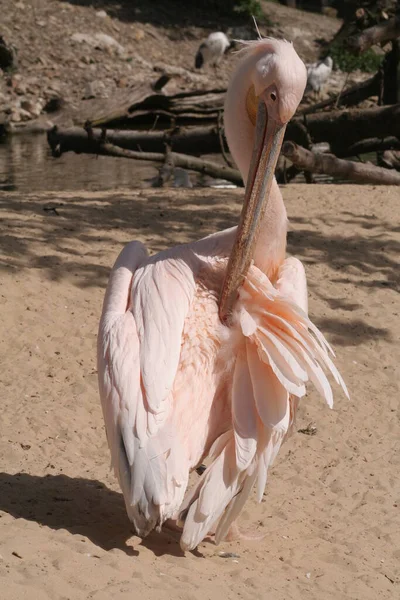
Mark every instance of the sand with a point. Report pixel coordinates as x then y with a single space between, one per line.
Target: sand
331 511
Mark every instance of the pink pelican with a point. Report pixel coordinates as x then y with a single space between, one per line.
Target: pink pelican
204 349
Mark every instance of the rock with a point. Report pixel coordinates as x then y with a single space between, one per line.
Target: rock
53 86
7 55
33 85
142 62
101 14
32 107
181 178
99 40
139 35
18 85
122 83
95 89
105 41
19 114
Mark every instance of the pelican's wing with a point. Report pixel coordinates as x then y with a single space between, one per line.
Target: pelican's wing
292 282
162 292
277 350
138 354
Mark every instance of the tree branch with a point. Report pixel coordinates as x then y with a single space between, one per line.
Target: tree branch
344 128
371 145
379 34
179 160
346 169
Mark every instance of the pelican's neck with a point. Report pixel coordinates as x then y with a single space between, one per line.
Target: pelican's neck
239 131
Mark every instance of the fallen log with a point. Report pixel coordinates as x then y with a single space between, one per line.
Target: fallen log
337 167
197 140
341 129
390 159
146 104
379 34
177 160
97 142
371 145
206 140
100 110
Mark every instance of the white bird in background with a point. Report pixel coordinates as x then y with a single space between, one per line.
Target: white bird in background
318 74
189 372
212 50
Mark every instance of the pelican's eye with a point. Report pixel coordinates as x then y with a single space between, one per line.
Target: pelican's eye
252 104
272 96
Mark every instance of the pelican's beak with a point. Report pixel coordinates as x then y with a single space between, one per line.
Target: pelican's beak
268 141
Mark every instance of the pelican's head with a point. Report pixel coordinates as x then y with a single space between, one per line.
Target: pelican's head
272 75
263 96
278 79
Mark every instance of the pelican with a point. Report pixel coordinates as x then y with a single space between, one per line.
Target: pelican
212 49
205 349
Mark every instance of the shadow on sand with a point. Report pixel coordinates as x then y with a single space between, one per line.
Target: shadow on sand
83 507
368 259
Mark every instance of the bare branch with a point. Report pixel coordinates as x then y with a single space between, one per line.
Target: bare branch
371 145
344 128
179 160
337 167
379 34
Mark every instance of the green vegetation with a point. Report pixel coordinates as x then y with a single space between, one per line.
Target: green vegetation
244 8
368 61
250 8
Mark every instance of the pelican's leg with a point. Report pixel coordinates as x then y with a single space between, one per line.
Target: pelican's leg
172 525
234 533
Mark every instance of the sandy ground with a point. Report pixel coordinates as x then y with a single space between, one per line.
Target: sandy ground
331 508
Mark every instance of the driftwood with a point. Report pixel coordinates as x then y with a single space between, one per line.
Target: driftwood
197 140
341 129
344 169
100 144
379 34
390 159
100 111
344 128
147 104
177 160
371 145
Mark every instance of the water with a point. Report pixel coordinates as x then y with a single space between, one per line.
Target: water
26 165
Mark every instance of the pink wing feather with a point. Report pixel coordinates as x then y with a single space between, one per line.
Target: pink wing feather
138 354
277 351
